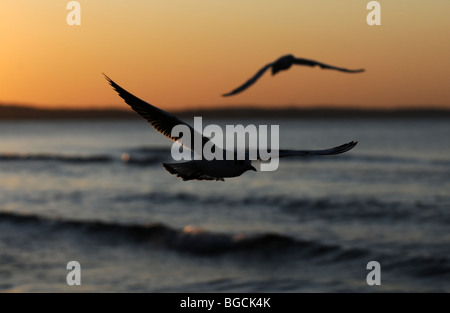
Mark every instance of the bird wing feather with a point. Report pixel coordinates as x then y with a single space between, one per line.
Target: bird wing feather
161 120
300 61
249 82
331 151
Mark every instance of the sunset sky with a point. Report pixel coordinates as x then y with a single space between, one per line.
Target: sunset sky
185 54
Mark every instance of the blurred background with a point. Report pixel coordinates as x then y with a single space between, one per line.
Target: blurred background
81 176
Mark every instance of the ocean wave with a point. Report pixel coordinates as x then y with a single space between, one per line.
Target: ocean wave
355 157
197 241
375 159
329 208
82 159
188 239
55 157
149 150
141 161
148 156
141 157
338 209
387 159
421 265
145 155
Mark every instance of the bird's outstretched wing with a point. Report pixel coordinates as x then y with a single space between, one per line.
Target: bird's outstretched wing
249 82
255 154
300 61
161 120
336 150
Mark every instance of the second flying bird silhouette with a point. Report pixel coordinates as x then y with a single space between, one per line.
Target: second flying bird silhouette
204 169
284 63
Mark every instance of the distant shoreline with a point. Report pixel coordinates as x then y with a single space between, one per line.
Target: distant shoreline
9 112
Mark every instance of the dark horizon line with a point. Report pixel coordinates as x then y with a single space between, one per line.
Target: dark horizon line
20 111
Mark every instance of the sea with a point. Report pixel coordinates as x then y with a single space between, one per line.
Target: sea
375 219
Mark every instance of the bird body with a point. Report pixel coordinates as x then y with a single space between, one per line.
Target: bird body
282 64
209 169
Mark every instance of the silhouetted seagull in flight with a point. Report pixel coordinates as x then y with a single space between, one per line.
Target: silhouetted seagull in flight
204 169
284 63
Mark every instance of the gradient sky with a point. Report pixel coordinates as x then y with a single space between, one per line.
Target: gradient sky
185 54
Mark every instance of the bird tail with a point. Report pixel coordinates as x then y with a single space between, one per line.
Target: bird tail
188 171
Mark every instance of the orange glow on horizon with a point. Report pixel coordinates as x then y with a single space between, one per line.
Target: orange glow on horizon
181 55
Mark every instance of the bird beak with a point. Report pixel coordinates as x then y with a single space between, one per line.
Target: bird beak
252 168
